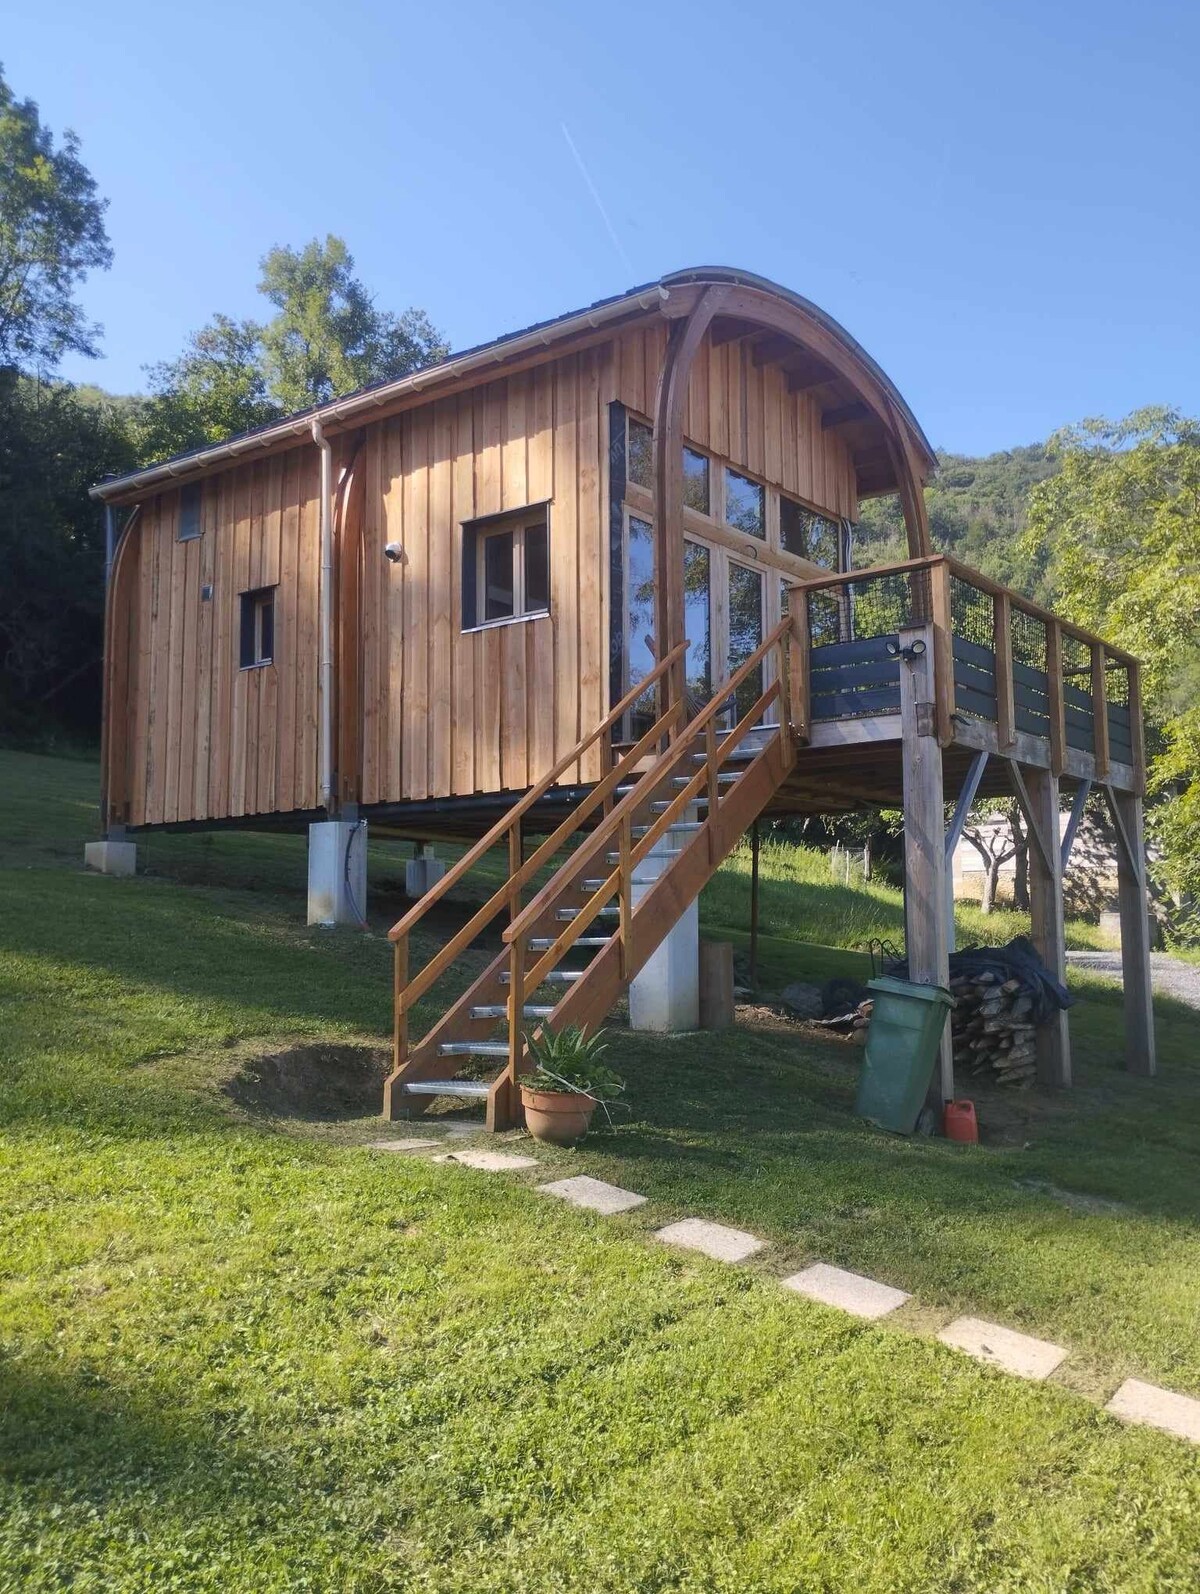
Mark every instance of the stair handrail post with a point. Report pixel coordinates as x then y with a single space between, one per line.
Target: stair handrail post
516 1010
516 858
399 1019
800 663
712 771
626 890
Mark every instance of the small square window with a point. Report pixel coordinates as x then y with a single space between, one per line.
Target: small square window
695 481
189 513
258 628
640 455
506 567
744 505
809 535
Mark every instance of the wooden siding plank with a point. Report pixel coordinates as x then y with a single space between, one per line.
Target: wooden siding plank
514 731
205 651
307 616
441 564
418 575
175 570
463 508
393 767
564 560
140 773
241 583
514 459
592 650
375 575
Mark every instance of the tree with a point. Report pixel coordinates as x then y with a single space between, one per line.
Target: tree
51 235
1121 523
215 388
992 838
52 447
328 337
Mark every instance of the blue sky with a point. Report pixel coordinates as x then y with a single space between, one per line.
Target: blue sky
997 200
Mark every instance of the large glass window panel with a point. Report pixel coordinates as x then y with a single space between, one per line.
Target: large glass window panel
639 587
640 458
745 505
695 481
498 593
745 632
809 535
697 619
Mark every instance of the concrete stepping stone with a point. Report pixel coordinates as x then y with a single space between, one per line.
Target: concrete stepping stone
1003 1347
713 1239
403 1145
1157 1408
851 1291
489 1161
594 1194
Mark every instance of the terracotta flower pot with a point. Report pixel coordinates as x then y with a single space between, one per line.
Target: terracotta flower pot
558 1116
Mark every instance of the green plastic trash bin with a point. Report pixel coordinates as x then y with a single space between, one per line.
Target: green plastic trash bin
902 1047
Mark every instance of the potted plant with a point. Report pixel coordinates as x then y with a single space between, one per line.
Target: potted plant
567 1084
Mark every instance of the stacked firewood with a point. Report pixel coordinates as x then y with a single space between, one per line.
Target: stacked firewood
993 1027
853 1023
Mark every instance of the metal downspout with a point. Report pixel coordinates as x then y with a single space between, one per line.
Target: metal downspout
325 749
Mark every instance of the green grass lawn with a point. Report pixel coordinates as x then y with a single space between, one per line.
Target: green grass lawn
243 1353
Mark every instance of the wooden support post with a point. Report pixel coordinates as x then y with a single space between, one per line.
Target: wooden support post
1040 788
926 935
1099 711
516 857
1006 721
943 650
626 888
754 851
712 770
503 1107
1056 702
1137 727
1132 901
799 647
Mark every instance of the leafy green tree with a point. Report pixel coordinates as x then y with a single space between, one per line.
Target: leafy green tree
1121 523
328 337
215 388
51 235
52 447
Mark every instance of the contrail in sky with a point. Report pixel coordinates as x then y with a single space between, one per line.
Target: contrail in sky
612 231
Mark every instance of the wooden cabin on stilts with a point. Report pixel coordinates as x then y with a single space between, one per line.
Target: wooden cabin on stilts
589 593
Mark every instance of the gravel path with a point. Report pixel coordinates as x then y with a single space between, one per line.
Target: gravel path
1169 976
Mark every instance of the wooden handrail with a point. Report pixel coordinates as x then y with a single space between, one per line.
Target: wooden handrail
686 737
534 794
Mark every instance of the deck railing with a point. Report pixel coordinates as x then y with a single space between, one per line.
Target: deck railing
1000 659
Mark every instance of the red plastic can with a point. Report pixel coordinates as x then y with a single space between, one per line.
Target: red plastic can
959 1122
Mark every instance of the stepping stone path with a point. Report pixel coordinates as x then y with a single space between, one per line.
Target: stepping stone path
1157 1408
593 1194
1003 1347
489 1161
835 1287
402 1145
713 1239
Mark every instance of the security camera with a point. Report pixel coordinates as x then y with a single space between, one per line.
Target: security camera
395 552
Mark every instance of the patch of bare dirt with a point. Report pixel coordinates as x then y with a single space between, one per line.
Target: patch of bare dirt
315 1082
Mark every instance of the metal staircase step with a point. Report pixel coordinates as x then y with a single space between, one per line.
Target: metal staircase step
724 777
594 885
566 914
500 1010
473 1049
543 943
555 977
683 824
469 1089
665 852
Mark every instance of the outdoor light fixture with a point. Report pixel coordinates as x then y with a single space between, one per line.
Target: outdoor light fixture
395 552
913 651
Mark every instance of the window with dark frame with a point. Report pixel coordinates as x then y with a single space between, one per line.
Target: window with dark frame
639 454
506 567
189 513
695 482
258 628
807 534
745 504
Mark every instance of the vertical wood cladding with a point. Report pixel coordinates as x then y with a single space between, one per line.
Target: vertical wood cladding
441 710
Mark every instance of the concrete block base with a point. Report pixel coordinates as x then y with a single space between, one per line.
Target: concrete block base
111 857
337 872
423 873
665 996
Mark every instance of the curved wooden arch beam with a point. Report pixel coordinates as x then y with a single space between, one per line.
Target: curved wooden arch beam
778 315
114 733
683 342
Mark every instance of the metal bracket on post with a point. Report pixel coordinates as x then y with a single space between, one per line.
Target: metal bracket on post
1082 792
954 834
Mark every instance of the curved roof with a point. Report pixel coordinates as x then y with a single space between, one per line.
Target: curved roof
341 412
